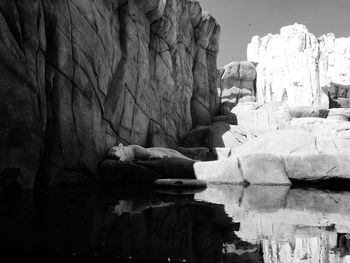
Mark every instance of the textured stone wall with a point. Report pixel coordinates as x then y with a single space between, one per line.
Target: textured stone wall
299 68
237 82
79 76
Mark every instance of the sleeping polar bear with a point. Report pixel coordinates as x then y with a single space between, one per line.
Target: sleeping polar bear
136 152
131 153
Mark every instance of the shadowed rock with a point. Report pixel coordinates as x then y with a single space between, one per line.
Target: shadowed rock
141 172
81 76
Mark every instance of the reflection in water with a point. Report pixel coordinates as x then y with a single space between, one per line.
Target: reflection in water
221 224
291 225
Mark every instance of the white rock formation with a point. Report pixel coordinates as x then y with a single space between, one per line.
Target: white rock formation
334 60
295 66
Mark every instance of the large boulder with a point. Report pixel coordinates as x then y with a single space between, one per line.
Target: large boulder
219 172
255 169
263 169
81 76
318 166
306 155
274 157
237 81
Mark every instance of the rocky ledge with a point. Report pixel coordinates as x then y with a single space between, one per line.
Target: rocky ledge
276 157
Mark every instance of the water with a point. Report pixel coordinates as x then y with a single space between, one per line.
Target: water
220 224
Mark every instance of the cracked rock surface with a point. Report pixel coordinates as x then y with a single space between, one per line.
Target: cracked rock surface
79 76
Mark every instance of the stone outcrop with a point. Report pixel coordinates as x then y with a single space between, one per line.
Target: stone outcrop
273 157
262 117
324 128
300 69
237 82
81 76
254 169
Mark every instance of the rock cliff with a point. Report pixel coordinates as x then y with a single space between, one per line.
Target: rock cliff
297 67
79 76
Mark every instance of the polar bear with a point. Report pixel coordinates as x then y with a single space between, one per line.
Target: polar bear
131 153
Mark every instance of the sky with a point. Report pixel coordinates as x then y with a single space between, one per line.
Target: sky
240 20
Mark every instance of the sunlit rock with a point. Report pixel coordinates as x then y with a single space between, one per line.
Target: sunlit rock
222 171
298 68
305 154
311 166
255 169
263 169
262 117
334 60
332 128
281 142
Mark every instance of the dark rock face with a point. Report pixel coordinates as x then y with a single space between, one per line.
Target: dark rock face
23 107
79 76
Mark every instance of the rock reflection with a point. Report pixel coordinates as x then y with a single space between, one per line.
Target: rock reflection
291 225
221 224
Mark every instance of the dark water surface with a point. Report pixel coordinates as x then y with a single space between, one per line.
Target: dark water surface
221 224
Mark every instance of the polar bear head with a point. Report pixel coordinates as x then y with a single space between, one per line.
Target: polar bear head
117 152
